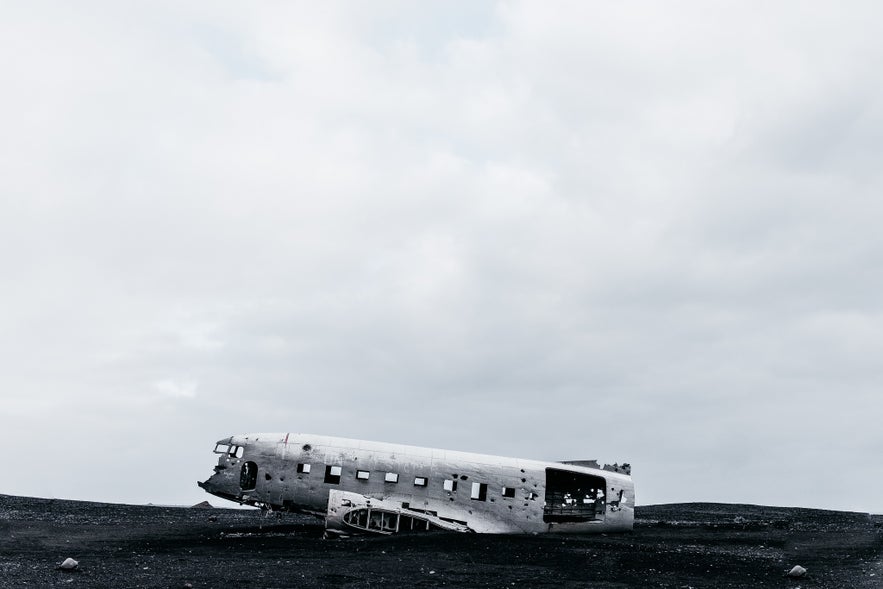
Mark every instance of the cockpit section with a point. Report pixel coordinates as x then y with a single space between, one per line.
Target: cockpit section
229 454
233 477
226 448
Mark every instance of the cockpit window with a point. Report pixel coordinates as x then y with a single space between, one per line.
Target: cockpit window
229 450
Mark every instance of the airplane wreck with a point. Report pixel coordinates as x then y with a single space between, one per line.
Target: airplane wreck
379 488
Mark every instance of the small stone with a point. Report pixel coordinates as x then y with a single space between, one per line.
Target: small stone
797 572
69 564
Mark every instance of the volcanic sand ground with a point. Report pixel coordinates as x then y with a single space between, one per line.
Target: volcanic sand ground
686 545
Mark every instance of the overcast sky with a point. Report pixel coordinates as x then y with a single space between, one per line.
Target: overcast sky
640 232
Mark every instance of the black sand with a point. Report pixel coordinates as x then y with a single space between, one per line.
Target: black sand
687 545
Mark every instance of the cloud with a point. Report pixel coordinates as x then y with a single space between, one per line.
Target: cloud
185 389
633 233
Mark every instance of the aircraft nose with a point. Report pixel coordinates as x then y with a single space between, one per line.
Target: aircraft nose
222 484
213 483
207 485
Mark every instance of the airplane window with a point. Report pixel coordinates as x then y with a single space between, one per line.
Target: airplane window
391 477
479 491
304 468
332 474
450 485
362 475
508 491
236 451
222 448
420 481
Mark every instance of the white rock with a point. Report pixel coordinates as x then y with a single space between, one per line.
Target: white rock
797 571
69 564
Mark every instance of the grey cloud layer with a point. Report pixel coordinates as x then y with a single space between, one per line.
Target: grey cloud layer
618 232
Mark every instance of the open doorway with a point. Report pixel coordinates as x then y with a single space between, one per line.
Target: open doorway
248 477
573 496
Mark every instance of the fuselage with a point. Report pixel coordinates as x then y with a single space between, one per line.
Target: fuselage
346 480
